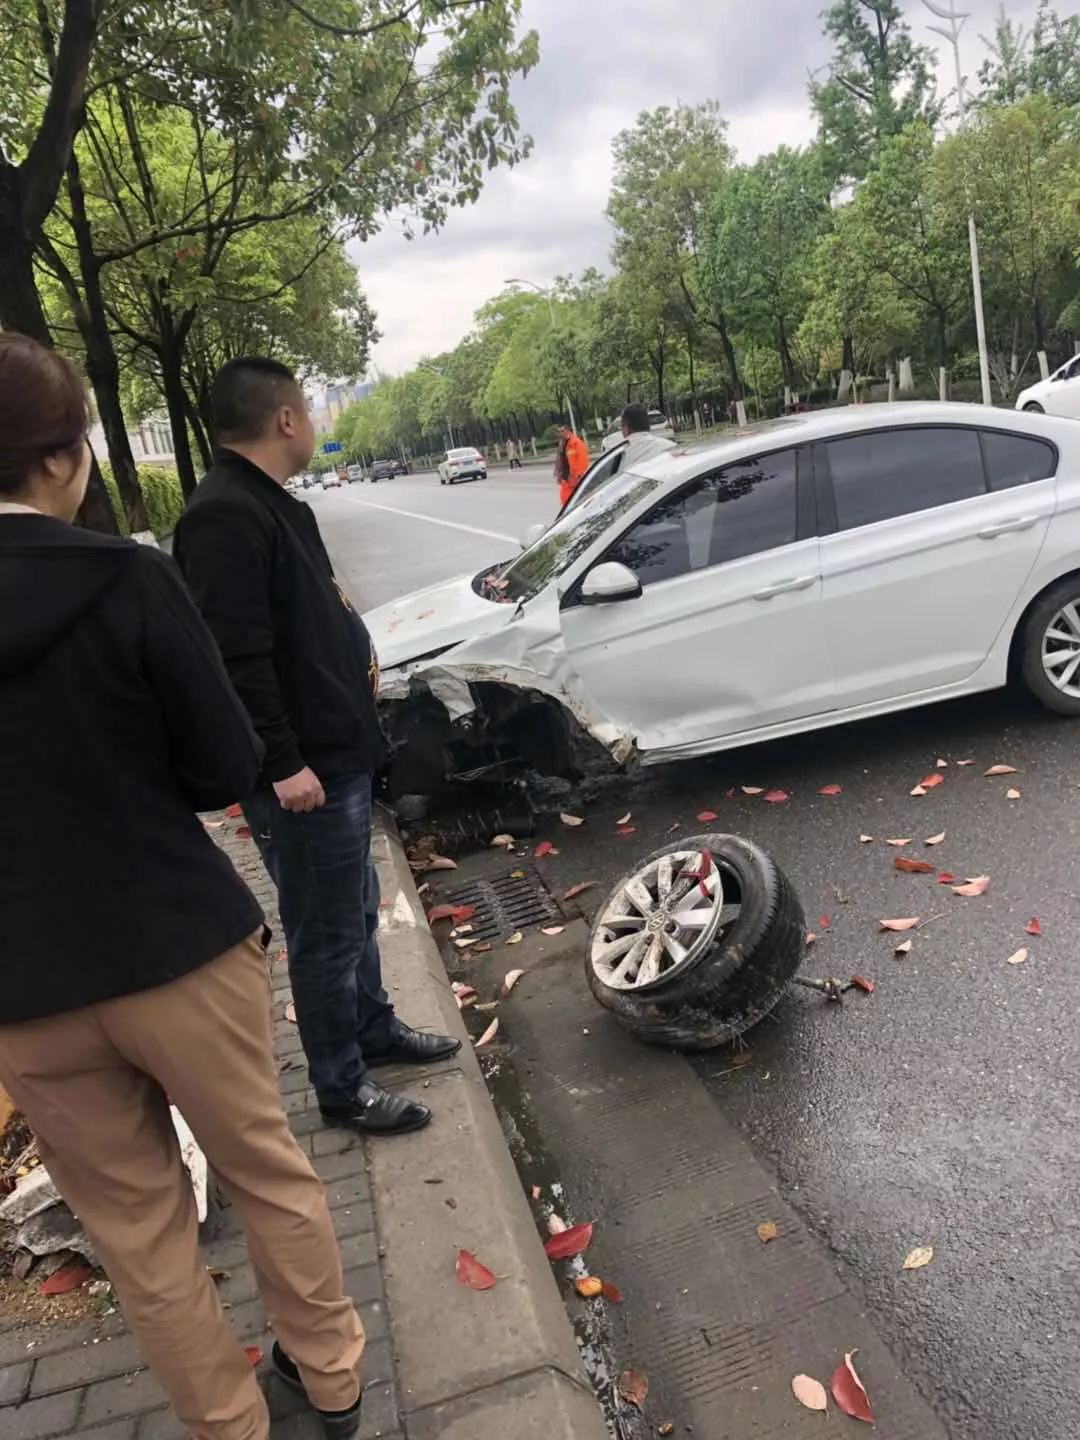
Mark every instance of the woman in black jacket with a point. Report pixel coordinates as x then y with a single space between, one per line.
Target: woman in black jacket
131 972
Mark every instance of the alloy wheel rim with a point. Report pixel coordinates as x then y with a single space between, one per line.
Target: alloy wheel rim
1061 650
662 918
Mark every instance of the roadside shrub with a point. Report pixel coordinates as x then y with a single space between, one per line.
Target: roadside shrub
160 485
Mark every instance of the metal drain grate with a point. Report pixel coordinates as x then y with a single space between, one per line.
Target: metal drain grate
506 904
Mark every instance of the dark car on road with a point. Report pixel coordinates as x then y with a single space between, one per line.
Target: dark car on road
386 470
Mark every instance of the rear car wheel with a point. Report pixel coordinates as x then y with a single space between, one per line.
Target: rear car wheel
696 944
1034 408
1050 647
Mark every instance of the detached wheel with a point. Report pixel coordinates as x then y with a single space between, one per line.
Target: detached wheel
1050 648
689 952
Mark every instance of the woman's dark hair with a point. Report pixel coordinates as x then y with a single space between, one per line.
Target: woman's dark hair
42 408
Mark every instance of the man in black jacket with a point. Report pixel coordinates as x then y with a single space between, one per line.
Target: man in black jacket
301 660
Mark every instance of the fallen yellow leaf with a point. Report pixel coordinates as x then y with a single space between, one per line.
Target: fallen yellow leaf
1018 958
767 1231
515 939
919 1257
810 1392
904 948
588 1287
934 839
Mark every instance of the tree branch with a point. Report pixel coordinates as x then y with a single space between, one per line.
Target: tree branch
41 172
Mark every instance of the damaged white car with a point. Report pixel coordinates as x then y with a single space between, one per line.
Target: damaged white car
796 574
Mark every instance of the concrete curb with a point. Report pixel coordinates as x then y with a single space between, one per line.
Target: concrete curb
471 1366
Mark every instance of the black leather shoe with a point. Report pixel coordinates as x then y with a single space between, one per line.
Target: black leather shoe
414 1047
376 1112
337 1424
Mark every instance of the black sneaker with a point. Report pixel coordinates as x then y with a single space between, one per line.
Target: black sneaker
337 1424
376 1112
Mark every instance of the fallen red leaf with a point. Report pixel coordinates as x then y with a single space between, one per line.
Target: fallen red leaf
626 830
977 886
908 924
849 1392
234 812
946 877
776 797
609 1292
1001 770
929 781
544 848
708 816
824 922
254 1354
459 914
913 867
831 790
1033 927
633 1387
244 832
568 1243
861 983
701 874
62 1282
576 890
470 1272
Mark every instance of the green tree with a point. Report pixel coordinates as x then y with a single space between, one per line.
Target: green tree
1041 60
879 80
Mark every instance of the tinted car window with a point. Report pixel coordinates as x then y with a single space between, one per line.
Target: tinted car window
898 472
743 509
1016 459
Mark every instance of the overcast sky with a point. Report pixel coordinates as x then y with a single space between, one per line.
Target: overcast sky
602 62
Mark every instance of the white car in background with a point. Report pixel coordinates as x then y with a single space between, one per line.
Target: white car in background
1059 395
792 575
464 463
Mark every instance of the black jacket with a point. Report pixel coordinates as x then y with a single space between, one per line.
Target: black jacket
117 723
298 653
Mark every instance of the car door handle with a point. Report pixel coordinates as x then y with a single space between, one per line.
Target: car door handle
784 587
1005 527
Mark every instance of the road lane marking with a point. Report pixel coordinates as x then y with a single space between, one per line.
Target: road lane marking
433 520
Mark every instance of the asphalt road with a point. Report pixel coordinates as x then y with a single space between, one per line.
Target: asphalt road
941 1109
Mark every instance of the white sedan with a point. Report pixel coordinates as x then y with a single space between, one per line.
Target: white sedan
1059 395
464 463
792 575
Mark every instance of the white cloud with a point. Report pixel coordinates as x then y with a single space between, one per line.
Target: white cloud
603 61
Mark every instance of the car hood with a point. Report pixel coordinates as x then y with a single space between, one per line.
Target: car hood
431 620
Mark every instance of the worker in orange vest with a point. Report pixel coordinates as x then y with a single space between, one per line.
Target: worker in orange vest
571 462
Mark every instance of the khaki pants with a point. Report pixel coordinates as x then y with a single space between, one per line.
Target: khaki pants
93 1085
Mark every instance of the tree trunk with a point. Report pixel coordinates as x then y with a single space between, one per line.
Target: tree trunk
202 440
787 364
1038 324
730 358
848 360
102 366
170 357
942 335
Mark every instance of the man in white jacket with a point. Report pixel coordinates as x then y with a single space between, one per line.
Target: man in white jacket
642 444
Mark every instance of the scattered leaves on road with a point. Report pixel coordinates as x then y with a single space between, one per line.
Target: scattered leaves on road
824 922
213 824
510 979
767 1231
862 983
502 842
572 820
919 1258
243 832
556 1224
544 848
707 816
1012 794
1033 927
290 1012
977 885
965 762
810 937
515 939
1019 957
899 843
63 1281
536 1192
626 830
234 812
552 929
904 948
752 790
568 1243
589 1287
934 839
777 797
928 782
913 867
866 839
459 914
666 1427
464 994
908 924
488 1035
610 1292
946 877
472 1273
1001 770
579 889
849 1392
919 790
440 862
633 1387
942 764
831 790
810 1392
466 942
625 819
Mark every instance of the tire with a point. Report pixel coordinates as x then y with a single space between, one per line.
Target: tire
1034 408
738 978
1036 624
442 480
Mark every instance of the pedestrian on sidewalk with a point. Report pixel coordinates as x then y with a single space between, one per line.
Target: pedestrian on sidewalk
513 454
301 659
133 969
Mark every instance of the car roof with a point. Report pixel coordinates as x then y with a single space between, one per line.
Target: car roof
691 459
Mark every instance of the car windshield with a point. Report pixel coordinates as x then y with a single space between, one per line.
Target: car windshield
568 538
461 454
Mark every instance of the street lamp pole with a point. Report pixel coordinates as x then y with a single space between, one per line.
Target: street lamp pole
955 24
540 290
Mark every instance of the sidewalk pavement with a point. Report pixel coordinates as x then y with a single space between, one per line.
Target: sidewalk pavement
441 1360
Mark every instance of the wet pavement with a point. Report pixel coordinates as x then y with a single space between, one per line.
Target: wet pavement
940 1110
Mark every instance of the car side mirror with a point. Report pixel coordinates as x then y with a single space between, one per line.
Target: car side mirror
608 582
531 536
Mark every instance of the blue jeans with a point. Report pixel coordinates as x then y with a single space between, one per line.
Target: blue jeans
328 895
